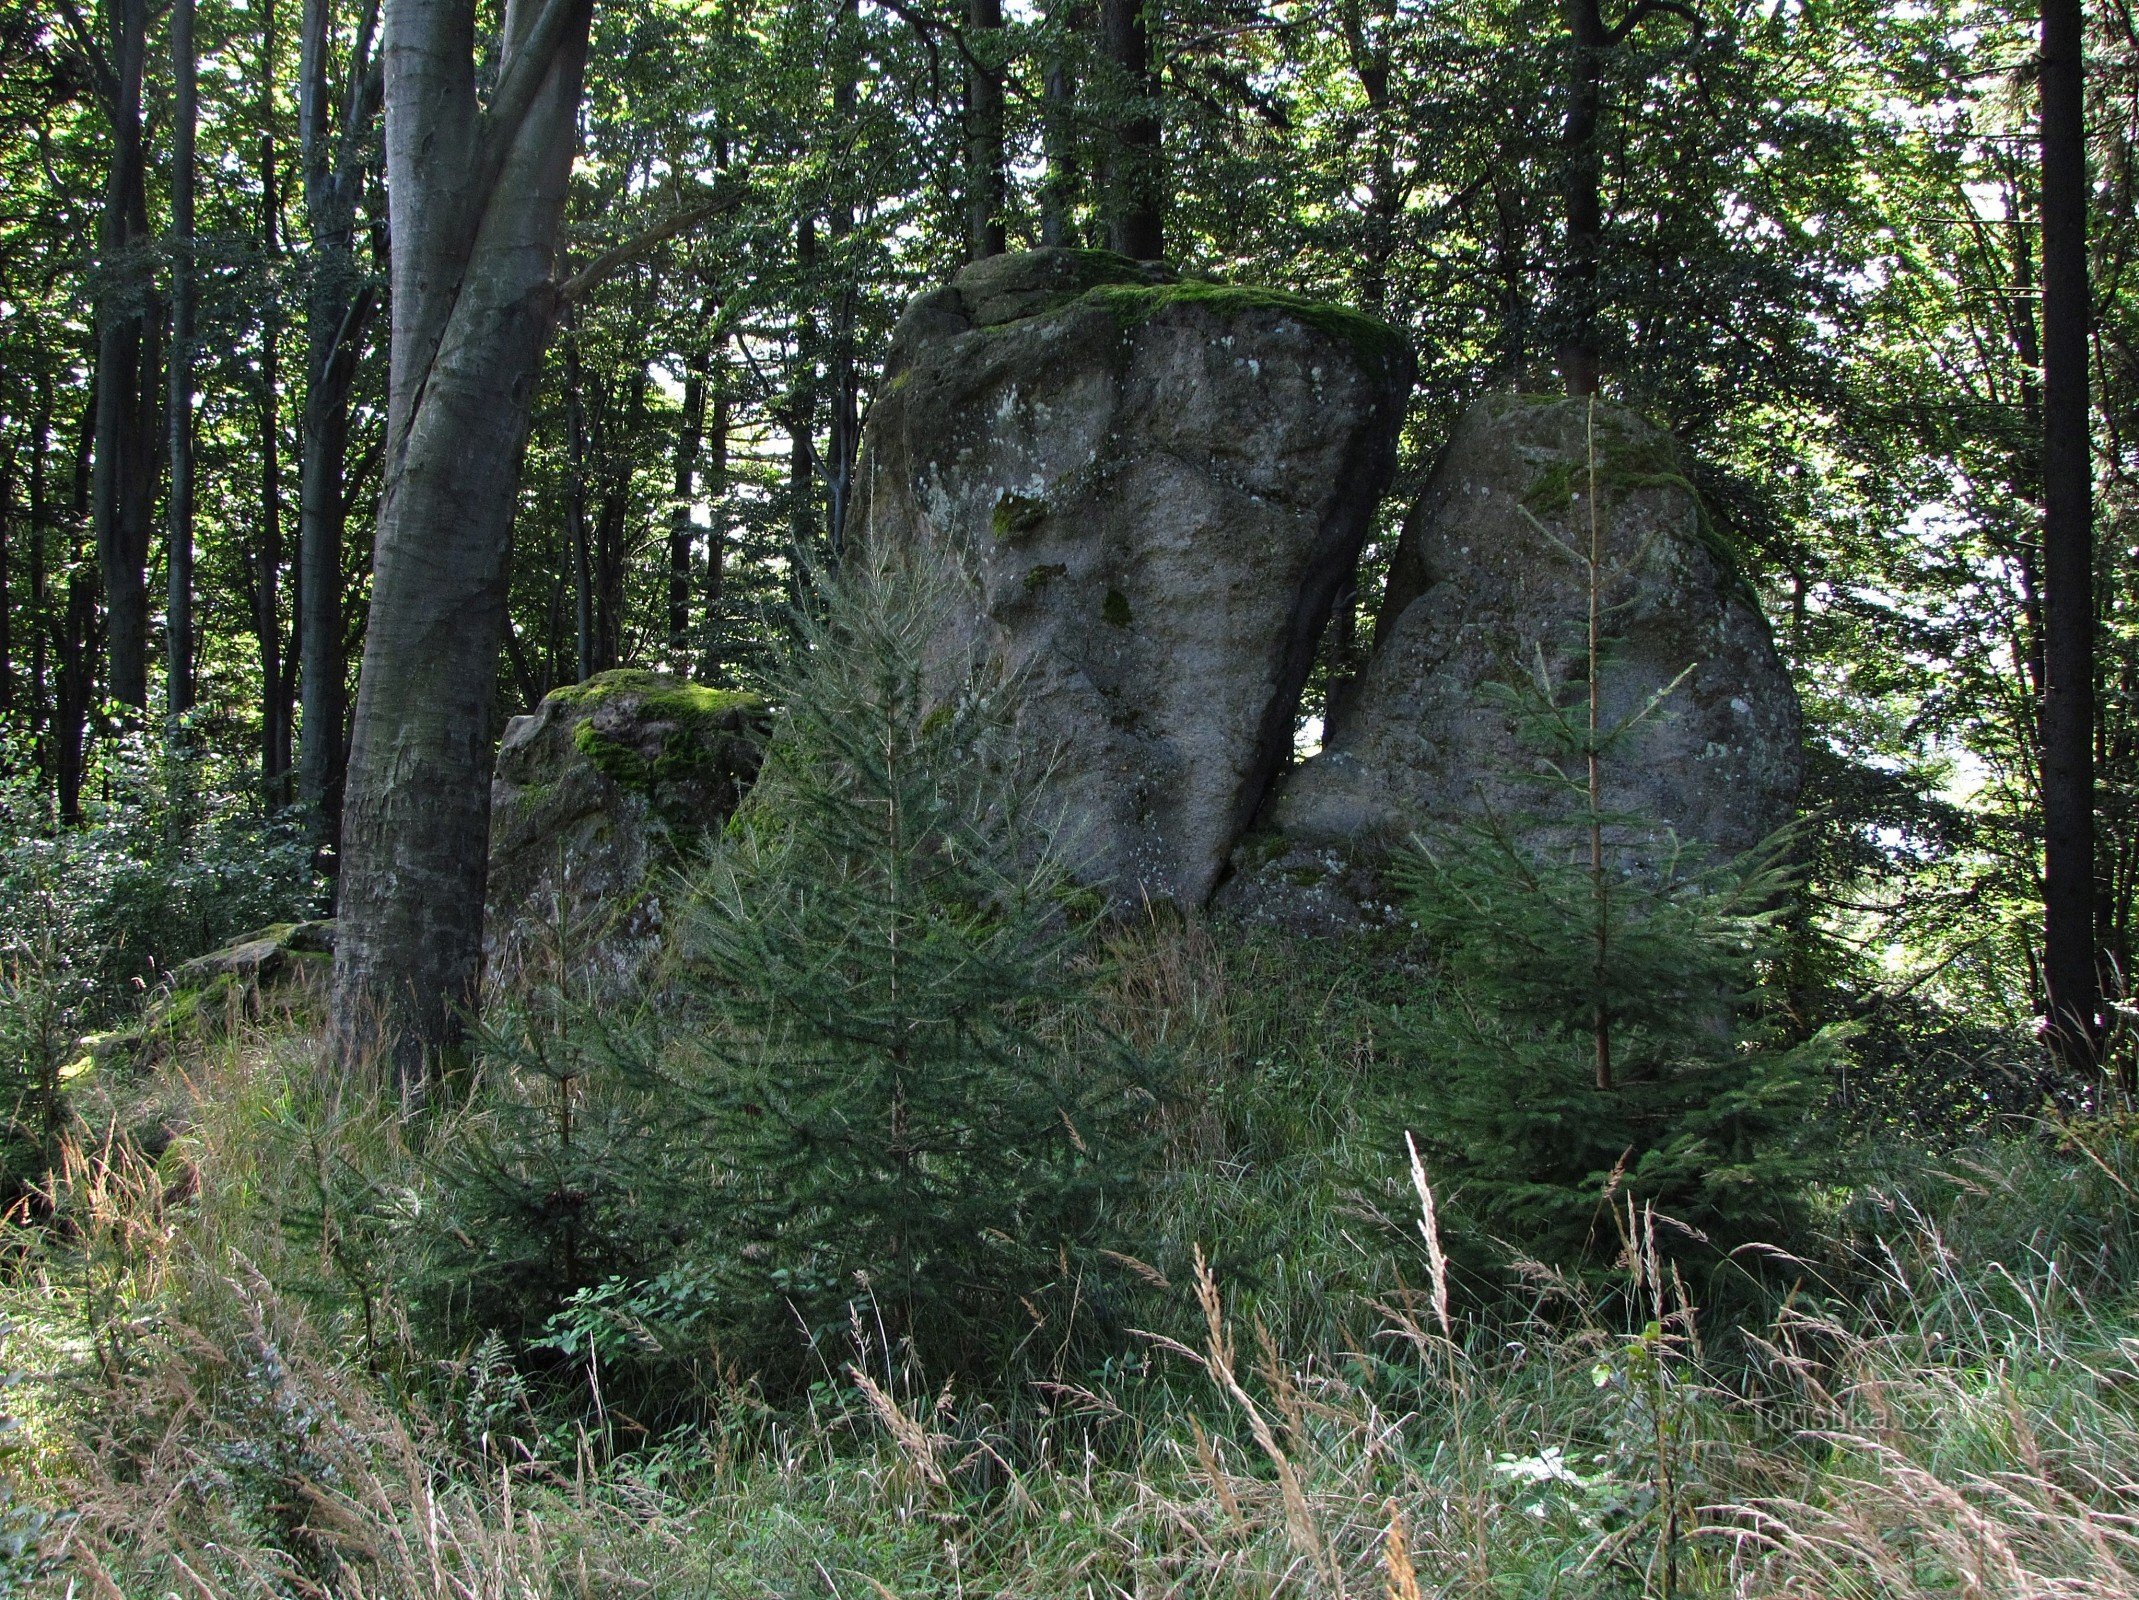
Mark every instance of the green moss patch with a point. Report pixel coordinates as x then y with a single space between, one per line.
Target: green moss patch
1041 576
1376 344
1017 514
1115 608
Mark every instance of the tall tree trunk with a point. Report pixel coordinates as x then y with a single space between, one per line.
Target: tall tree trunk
1057 137
40 597
1136 166
2070 974
476 205
338 310
986 169
1582 183
690 429
716 516
844 435
802 420
178 402
268 554
8 541
125 473
575 500
74 632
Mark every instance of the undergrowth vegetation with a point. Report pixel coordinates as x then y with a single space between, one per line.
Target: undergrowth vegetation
917 1229
229 1397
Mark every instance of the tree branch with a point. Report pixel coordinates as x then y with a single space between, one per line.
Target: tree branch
619 256
85 41
525 70
1646 9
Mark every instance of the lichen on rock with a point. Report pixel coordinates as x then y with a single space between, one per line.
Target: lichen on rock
1149 490
1488 574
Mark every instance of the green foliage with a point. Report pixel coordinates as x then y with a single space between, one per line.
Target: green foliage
176 860
857 1105
1608 1032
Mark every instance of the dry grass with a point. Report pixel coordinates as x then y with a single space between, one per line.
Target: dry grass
226 1406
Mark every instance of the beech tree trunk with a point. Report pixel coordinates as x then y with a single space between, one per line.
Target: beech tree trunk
1136 172
2071 975
716 518
1583 186
74 631
123 489
477 198
7 589
1058 189
178 402
268 552
690 429
338 309
986 170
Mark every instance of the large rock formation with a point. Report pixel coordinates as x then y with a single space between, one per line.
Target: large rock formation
606 784
1150 491
1490 569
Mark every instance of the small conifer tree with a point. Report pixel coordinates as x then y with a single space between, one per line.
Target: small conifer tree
882 957
1606 1026
859 1103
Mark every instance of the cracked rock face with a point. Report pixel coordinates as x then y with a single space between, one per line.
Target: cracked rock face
1148 493
1488 573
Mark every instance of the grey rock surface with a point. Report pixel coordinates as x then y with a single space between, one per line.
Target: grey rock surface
1149 491
603 787
1489 571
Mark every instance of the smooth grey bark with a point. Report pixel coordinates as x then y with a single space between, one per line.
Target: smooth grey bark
1136 162
1590 43
987 180
178 401
275 703
1583 191
1058 189
476 198
338 309
690 429
2071 973
716 491
7 589
125 473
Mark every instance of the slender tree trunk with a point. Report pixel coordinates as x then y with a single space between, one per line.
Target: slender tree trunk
802 420
123 488
690 430
178 403
844 435
575 498
1583 184
40 598
268 554
7 589
1136 166
338 308
1058 189
74 634
986 168
716 518
2071 975
476 204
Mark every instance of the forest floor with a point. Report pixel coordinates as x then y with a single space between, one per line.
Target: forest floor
216 1392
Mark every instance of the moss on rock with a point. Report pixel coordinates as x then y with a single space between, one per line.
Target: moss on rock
1373 341
1017 514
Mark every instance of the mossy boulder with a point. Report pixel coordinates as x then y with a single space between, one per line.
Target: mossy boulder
1149 491
1490 571
603 788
